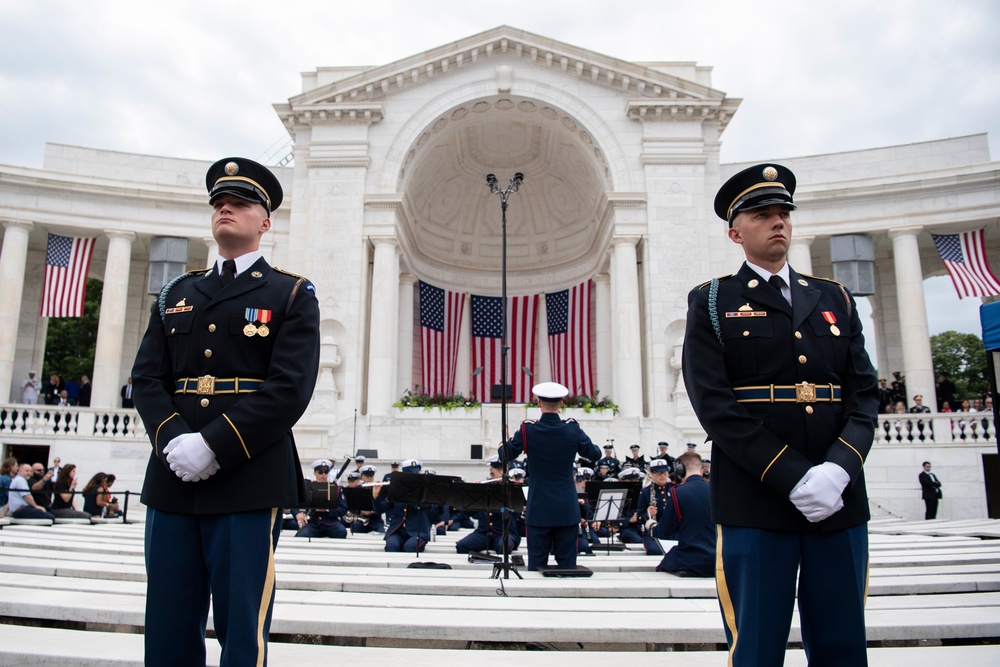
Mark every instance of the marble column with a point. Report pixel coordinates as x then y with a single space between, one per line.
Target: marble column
628 348
213 252
463 362
382 330
13 261
111 328
914 332
800 254
543 362
407 327
603 382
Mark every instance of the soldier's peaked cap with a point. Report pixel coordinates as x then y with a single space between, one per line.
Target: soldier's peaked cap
755 187
549 391
246 179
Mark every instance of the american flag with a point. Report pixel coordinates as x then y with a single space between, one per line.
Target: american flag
522 312
67 261
964 255
569 338
440 326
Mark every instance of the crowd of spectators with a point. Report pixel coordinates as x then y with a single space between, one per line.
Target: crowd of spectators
894 401
32 491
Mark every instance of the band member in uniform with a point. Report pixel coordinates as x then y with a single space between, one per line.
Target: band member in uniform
226 367
636 458
409 526
328 520
610 461
777 372
686 519
551 445
654 494
371 521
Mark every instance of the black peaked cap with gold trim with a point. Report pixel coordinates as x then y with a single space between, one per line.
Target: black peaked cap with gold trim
246 179
755 187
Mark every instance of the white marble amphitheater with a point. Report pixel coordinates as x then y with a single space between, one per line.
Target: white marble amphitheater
385 187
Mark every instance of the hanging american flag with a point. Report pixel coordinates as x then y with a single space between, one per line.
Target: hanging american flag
569 338
522 312
964 255
67 261
440 325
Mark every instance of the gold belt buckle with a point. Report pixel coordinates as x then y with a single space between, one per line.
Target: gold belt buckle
805 393
206 385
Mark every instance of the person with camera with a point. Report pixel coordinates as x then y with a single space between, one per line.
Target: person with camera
686 519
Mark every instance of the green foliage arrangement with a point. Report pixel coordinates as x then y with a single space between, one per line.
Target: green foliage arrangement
70 342
590 403
962 356
418 399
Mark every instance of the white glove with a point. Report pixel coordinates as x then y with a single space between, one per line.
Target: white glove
818 493
190 458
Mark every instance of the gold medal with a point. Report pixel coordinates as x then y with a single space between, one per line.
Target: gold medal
250 331
262 330
834 330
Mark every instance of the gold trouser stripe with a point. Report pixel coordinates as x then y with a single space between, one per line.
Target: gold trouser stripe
156 439
265 596
726 602
868 573
853 450
772 462
237 431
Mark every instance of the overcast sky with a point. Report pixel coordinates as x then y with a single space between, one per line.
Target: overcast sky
197 79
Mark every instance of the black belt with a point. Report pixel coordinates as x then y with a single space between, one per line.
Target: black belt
804 392
210 386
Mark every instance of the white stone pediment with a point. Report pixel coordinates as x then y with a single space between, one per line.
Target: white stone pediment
649 90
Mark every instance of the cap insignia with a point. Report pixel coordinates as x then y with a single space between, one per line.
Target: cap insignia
753 283
769 173
803 282
232 168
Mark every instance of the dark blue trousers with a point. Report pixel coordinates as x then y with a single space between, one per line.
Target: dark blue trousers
402 541
756 576
190 559
560 541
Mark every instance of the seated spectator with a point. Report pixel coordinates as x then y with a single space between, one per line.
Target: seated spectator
8 471
95 497
686 520
111 510
41 486
62 501
22 504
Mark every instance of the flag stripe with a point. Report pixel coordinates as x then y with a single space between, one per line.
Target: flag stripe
964 256
569 330
440 327
67 263
522 312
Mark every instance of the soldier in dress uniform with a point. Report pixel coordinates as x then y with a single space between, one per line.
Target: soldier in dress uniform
226 367
488 534
393 467
636 458
777 372
654 494
551 445
409 526
686 519
371 521
661 453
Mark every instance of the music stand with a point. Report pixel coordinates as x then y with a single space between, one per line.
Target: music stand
359 499
420 489
486 498
612 501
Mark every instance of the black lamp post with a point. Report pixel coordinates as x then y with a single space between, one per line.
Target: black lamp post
515 183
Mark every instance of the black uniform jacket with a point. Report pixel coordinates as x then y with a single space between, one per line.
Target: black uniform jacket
552 447
201 334
688 523
761 450
929 487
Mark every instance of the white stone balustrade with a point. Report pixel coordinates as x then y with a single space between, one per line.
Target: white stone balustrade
937 428
50 421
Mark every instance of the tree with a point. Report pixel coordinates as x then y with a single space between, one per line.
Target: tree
70 342
963 357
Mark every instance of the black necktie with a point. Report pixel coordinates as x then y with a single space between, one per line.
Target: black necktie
777 283
228 271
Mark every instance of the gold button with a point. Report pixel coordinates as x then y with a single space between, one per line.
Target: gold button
173 331
746 333
802 357
798 334
809 409
211 327
204 402
208 353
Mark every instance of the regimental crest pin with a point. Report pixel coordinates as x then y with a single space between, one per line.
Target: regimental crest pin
232 168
